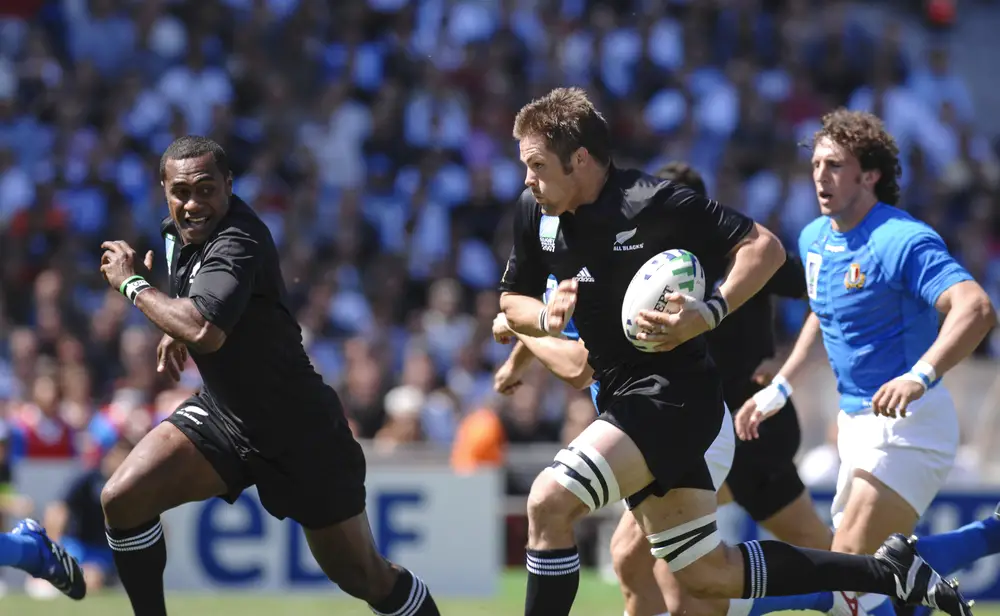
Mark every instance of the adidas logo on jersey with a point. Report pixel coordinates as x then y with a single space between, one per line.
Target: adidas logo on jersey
583 276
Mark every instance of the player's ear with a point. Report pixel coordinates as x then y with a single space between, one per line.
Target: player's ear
229 184
580 156
871 178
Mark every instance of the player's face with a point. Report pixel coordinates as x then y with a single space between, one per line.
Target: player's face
552 187
838 178
197 195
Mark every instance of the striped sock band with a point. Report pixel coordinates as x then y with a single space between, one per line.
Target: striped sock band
418 592
145 537
552 562
755 570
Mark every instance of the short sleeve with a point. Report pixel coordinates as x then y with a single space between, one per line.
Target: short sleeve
224 283
715 230
927 268
525 273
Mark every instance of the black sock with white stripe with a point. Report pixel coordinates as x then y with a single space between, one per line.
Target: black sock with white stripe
409 597
553 577
140 557
775 569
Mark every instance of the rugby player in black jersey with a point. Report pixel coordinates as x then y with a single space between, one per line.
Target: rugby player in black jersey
264 416
663 432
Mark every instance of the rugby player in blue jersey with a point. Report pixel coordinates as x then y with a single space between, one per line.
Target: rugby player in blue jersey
879 283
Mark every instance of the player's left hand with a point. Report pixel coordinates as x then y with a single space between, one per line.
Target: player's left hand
895 396
118 262
680 322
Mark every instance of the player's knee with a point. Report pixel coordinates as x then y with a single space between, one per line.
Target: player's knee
695 554
123 506
579 480
550 505
115 500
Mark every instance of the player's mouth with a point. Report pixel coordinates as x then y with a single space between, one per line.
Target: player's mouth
824 196
196 223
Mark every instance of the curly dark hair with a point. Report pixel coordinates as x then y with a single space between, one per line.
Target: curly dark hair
864 136
568 121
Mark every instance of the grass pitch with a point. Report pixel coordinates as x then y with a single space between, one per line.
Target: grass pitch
596 598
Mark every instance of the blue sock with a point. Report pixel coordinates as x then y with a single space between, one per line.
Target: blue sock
817 602
949 552
20 551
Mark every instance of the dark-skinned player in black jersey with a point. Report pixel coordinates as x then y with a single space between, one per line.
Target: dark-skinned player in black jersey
264 416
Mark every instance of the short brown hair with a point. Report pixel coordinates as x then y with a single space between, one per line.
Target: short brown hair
568 121
683 173
864 136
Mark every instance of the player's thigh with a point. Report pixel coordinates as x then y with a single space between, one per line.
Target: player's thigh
873 512
798 523
892 469
599 467
167 468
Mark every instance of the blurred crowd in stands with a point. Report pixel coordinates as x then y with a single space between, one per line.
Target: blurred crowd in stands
374 138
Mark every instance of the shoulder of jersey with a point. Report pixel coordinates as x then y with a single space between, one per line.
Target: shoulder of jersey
243 220
893 225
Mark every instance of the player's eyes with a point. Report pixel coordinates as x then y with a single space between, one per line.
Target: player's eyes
537 166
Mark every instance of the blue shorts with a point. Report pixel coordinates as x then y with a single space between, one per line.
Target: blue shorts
95 555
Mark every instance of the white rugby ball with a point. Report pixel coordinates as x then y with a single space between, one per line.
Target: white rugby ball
671 271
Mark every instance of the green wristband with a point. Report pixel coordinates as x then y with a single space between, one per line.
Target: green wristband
121 289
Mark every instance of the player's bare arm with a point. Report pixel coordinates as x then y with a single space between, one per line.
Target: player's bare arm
567 359
530 317
969 316
753 261
176 317
772 398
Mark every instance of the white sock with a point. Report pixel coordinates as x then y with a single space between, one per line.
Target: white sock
739 607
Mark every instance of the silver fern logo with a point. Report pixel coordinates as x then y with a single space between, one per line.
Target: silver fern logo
624 236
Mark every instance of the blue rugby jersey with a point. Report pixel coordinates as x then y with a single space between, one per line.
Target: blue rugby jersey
874 289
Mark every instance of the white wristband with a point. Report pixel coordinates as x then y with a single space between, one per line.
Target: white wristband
543 319
923 373
774 396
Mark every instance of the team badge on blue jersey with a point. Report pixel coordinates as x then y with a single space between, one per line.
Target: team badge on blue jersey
854 278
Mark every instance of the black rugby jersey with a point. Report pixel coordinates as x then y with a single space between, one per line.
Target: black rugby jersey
261 381
635 217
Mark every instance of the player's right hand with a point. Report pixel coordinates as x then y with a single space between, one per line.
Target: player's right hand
560 308
171 355
506 380
762 405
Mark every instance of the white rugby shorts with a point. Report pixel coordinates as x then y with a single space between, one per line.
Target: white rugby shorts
913 455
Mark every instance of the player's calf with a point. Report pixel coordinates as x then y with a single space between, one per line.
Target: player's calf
163 471
346 553
585 476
